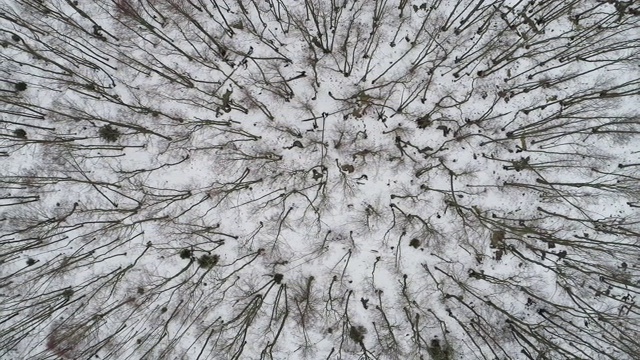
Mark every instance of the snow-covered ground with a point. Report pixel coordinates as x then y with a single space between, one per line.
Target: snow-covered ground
298 179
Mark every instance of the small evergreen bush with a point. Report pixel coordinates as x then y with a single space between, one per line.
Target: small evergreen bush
109 134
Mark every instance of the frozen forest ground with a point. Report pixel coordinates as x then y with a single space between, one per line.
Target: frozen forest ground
319 179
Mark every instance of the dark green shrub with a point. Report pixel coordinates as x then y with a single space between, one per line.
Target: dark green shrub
68 293
357 333
185 254
439 351
277 278
423 122
208 261
109 134
20 133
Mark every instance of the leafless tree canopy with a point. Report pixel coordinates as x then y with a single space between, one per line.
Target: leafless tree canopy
319 179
